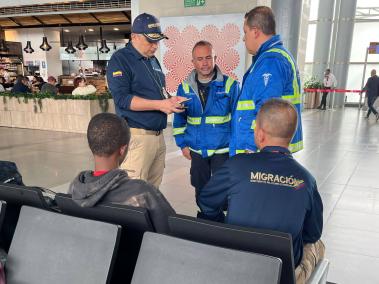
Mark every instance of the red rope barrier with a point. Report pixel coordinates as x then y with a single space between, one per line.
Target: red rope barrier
333 90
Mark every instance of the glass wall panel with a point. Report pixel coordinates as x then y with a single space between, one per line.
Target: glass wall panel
313 12
366 3
363 34
354 79
309 53
308 68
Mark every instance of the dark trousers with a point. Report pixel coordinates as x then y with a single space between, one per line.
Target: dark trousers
203 168
323 100
370 103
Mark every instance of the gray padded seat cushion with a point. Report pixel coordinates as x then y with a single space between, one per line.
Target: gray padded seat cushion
170 260
49 247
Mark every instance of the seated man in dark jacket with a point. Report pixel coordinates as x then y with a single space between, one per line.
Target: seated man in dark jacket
21 85
108 138
269 189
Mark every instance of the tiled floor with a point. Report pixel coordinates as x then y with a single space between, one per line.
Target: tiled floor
341 150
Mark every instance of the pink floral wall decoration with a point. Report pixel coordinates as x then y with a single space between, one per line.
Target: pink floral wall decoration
225 36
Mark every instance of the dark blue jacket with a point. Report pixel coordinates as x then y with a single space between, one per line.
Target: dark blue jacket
372 87
20 88
131 74
267 190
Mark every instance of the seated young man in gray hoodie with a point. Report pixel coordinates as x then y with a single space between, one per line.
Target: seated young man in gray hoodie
108 138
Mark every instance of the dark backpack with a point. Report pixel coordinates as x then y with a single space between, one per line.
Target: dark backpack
9 173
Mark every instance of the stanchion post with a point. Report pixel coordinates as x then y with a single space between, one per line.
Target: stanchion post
332 93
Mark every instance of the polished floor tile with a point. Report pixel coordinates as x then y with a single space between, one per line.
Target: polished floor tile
349 268
341 151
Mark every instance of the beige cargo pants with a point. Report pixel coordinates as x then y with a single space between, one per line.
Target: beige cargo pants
146 156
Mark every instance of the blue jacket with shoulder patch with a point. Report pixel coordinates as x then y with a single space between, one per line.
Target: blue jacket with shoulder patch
273 74
206 131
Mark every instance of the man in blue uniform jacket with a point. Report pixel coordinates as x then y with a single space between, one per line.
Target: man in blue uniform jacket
202 131
269 189
272 74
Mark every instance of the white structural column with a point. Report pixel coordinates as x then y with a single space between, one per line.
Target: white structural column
303 37
341 45
323 37
288 16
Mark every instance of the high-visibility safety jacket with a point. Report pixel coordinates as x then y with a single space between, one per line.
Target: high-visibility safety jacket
206 131
273 74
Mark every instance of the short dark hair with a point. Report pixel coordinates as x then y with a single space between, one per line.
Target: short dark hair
106 133
263 18
77 80
202 43
278 118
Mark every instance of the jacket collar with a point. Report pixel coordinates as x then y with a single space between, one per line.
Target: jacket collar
131 49
191 79
276 149
274 41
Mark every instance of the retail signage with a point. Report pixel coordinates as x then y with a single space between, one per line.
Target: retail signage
193 3
373 48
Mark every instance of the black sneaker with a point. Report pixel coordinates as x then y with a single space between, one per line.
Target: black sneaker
377 117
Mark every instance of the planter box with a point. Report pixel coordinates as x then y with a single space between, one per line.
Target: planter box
311 100
49 114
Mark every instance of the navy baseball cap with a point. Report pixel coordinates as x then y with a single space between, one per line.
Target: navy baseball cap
149 26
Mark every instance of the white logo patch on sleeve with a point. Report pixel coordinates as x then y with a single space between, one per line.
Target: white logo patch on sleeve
266 78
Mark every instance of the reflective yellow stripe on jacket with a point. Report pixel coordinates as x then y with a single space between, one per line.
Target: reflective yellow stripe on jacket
218 119
178 130
209 119
295 98
245 105
193 120
228 84
186 87
294 147
211 152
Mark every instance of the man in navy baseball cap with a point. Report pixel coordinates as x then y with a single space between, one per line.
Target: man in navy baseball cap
149 26
138 86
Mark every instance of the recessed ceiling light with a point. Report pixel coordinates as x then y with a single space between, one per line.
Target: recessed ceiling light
116 29
66 31
90 30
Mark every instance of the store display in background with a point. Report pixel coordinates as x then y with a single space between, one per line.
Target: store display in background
12 59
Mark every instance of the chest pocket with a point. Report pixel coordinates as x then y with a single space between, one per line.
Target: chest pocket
222 98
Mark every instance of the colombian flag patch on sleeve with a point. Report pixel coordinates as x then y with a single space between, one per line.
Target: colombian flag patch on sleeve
117 73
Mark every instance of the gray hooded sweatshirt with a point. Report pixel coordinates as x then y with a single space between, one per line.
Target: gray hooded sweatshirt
116 187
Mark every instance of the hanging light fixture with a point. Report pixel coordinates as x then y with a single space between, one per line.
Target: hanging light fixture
28 48
70 49
103 48
81 44
3 46
45 45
